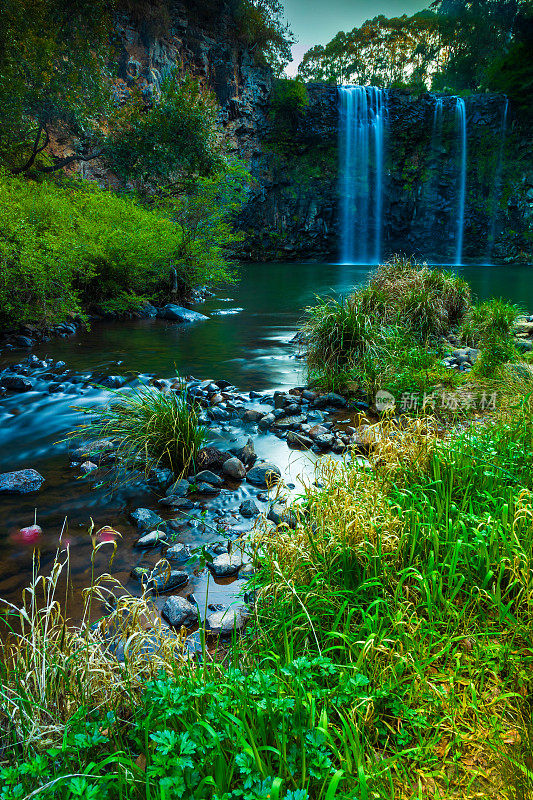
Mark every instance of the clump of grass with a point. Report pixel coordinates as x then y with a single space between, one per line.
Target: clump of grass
150 428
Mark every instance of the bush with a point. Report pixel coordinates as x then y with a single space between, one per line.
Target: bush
68 247
489 326
288 100
395 321
150 429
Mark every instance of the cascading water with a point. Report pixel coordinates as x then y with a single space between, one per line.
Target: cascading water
497 188
460 118
361 148
433 163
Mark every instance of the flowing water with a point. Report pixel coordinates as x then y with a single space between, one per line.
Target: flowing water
246 340
361 148
460 117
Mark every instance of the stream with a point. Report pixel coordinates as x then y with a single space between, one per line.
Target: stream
246 341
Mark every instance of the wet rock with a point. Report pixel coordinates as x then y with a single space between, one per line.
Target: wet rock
211 458
178 611
324 440
163 581
23 481
266 421
234 468
247 453
216 399
206 489
206 476
250 415
248 509
176 313
178 553
278 513
263 475
88 467
179 488
364 438
16 383
181 503
218 414
330 399
285 423
281 399
55 388
246 571
145 519
308 395
299 440
524 346
151 539
114 382
338 446
24 341
161 477
223 623
225 565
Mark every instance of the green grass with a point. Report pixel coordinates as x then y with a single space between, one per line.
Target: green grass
389 334
150 428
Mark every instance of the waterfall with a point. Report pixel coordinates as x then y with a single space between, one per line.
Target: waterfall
497 188
361 148
460 118
435 146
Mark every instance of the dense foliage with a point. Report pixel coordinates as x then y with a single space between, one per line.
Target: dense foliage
457 45
65 247
261 25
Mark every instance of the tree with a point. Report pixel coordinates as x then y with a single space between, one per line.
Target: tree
261 25
53 79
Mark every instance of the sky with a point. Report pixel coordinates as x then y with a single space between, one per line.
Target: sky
317 21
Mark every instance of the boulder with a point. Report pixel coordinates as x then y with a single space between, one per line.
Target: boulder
248 509
225 565
250 415
223 623
178 553
234 468
24 481
179 488
151 539
145 519
266 421
175 313
211 458
299 440
16 383
178 611
206 476
263 475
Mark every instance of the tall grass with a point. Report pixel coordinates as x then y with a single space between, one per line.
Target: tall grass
416 571
149 427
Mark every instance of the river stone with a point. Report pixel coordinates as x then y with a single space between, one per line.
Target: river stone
523 346
289 422
176 313
324 440
223 623
225 565
178 489
114 381
263 475
211 458
218 414
182 503
151 539
145 519
247 453
234 468
246 571
179 611
299 440
248 509
16 383
206 489
161 582
251 415
178 553
330 399
266 421
278 513
24 481
206 476
162 477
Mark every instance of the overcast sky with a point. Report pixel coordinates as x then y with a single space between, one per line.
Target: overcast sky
317 21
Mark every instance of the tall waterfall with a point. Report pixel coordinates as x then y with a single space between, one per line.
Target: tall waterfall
361 147
460 117
497 188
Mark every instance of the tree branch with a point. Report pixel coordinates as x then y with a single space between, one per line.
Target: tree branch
59 163
35 151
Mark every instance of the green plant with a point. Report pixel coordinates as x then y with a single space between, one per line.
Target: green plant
288 100
150 428
489 326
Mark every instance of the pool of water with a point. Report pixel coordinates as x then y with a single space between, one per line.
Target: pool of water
247 340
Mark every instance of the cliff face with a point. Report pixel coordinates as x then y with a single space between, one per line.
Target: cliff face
293 212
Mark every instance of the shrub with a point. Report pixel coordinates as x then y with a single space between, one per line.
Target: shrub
66 247
150 428
489 326
288 100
